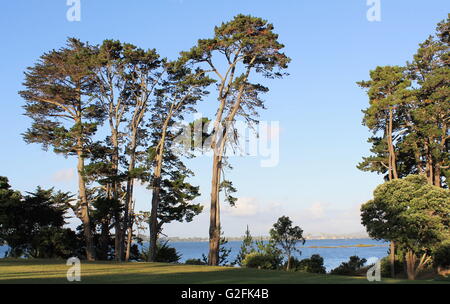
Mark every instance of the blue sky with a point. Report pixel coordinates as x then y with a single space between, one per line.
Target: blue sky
332 45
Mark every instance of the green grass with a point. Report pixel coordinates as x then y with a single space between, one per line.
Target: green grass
54 271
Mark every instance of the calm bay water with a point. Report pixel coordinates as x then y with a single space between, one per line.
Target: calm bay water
333 257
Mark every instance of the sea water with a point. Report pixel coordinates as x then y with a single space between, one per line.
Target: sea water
334 252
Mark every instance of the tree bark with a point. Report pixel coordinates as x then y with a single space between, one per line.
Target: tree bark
129 241
135 123
84 209
154 230
214 226
154 219
392 258
128 225
429 163
437 176
412 267
393 158
392 175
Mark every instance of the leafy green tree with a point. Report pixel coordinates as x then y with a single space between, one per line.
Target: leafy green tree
32 225
144 69
59 92
8 197
126 79
246 45
246 247
429 112
314 264
102 215
409 112
167 254
114 99
352 267
258 260
270 249
387 91
412 213
408 115
287 237
441 256
180 90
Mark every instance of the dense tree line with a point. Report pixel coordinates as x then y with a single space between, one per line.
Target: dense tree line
117 109
409 115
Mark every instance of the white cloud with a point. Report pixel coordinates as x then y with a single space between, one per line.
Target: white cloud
63 175
328 218
317 210
245 206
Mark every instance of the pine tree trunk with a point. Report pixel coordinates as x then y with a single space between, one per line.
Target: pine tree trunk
437 176
154 218
429 164
392 258
84 210
394 175
393 158
128 222
214 225
129 241
154 229
118 226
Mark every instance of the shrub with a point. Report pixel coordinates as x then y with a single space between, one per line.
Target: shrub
295 264
352 267
167 254
441 255
271 251
194 262
312 265
386 267
258 260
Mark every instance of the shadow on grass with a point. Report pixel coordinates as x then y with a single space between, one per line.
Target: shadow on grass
39 272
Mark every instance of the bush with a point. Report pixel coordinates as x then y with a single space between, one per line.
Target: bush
258 260
194 262
441 255
352 267
386 267
270 250
165 254
295 264
312 265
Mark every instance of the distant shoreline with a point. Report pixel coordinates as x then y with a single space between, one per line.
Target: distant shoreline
264 238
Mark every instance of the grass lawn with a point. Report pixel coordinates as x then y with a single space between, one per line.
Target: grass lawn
54 271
